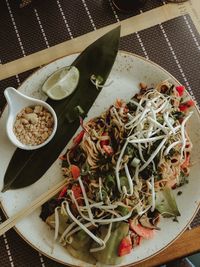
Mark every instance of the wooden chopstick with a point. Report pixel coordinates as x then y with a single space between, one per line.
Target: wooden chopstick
9 223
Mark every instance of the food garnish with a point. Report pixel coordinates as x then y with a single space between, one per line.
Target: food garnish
121 171
33 125
61 83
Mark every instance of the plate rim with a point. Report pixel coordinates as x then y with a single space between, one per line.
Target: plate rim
138 261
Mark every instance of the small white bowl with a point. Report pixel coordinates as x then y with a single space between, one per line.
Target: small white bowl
18 101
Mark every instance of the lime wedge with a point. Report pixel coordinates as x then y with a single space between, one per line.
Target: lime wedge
61 83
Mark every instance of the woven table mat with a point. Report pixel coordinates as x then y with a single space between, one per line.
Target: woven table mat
45 23
175 45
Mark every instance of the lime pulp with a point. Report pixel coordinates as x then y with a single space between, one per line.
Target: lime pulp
61 83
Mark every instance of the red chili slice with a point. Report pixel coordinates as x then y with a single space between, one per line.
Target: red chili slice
76 189
190 103
108 150
78 138
104 142
184 106
62 193
75 171
180 89
125 246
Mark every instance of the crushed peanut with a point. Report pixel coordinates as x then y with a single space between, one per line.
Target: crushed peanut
143 86
33 125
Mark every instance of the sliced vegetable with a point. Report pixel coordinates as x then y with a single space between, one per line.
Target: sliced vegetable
190 103
104 142
184 106
76 189
85 169
144 232
63 192
125 246
80 246
146 221
97 80
123 210
109 255
186 163
135 162
131 106
62 157
124 181
166 203
74 114
110 182
63 221
81 240
48 208
61 83
180 89
75 171
108 150
78 138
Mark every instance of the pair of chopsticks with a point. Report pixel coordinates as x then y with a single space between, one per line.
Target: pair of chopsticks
12 221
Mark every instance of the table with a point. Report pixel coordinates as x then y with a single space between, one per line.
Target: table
157 18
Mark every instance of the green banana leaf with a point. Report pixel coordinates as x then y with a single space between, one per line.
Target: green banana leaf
26 167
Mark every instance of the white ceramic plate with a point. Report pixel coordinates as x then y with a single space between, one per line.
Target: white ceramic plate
128 71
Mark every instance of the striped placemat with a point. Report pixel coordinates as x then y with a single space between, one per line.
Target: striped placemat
175 45
45 23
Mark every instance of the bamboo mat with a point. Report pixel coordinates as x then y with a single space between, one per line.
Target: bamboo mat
45 23
132 24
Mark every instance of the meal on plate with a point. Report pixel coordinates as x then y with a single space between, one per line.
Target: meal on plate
120 173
